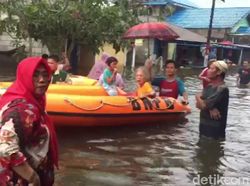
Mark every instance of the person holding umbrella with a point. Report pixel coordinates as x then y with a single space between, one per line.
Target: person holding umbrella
150 30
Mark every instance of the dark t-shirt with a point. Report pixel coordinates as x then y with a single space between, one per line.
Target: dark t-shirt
244 76
214 97
60 77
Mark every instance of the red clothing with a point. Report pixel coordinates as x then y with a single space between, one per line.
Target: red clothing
204 74
24 123
169 89
23 86
24 137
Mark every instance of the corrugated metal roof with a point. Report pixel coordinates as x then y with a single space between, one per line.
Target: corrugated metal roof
187 35
199 18
243 30
181 3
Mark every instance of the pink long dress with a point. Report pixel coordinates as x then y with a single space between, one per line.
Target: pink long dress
98 67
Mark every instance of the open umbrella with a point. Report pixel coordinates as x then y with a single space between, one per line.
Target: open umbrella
159 30
148 30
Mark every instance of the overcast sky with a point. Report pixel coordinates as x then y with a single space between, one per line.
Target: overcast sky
219 3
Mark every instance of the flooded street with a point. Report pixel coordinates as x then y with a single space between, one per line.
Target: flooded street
158 155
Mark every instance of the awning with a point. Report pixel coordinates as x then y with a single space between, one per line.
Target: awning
187 35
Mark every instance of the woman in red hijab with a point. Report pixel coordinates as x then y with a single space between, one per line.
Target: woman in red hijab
28 143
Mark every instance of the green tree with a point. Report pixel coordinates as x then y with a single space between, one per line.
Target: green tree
56 22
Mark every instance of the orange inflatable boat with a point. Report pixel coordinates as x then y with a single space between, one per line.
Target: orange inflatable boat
86 110
87 90
80 80
73 110
74 80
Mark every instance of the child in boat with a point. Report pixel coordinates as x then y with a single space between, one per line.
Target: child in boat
172 86
144 89
109 78
118 81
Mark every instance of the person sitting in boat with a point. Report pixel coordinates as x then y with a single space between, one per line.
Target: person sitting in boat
99 66
118 81
59 75
171 85
109 77
145 88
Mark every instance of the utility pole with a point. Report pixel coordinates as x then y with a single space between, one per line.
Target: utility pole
209 34
148 12
210 24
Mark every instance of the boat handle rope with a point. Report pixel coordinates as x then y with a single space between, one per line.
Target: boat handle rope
168 107
102 103
154 106
82 108
117 105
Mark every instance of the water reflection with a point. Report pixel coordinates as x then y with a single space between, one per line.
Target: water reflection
208 161
138 155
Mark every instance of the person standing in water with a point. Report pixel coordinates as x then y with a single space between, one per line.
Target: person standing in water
172 86
213 102
28 142
243 76
203 74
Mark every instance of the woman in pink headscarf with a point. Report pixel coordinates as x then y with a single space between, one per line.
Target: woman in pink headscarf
28 143
98 67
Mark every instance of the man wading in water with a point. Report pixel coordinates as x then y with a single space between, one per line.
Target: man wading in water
213 102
